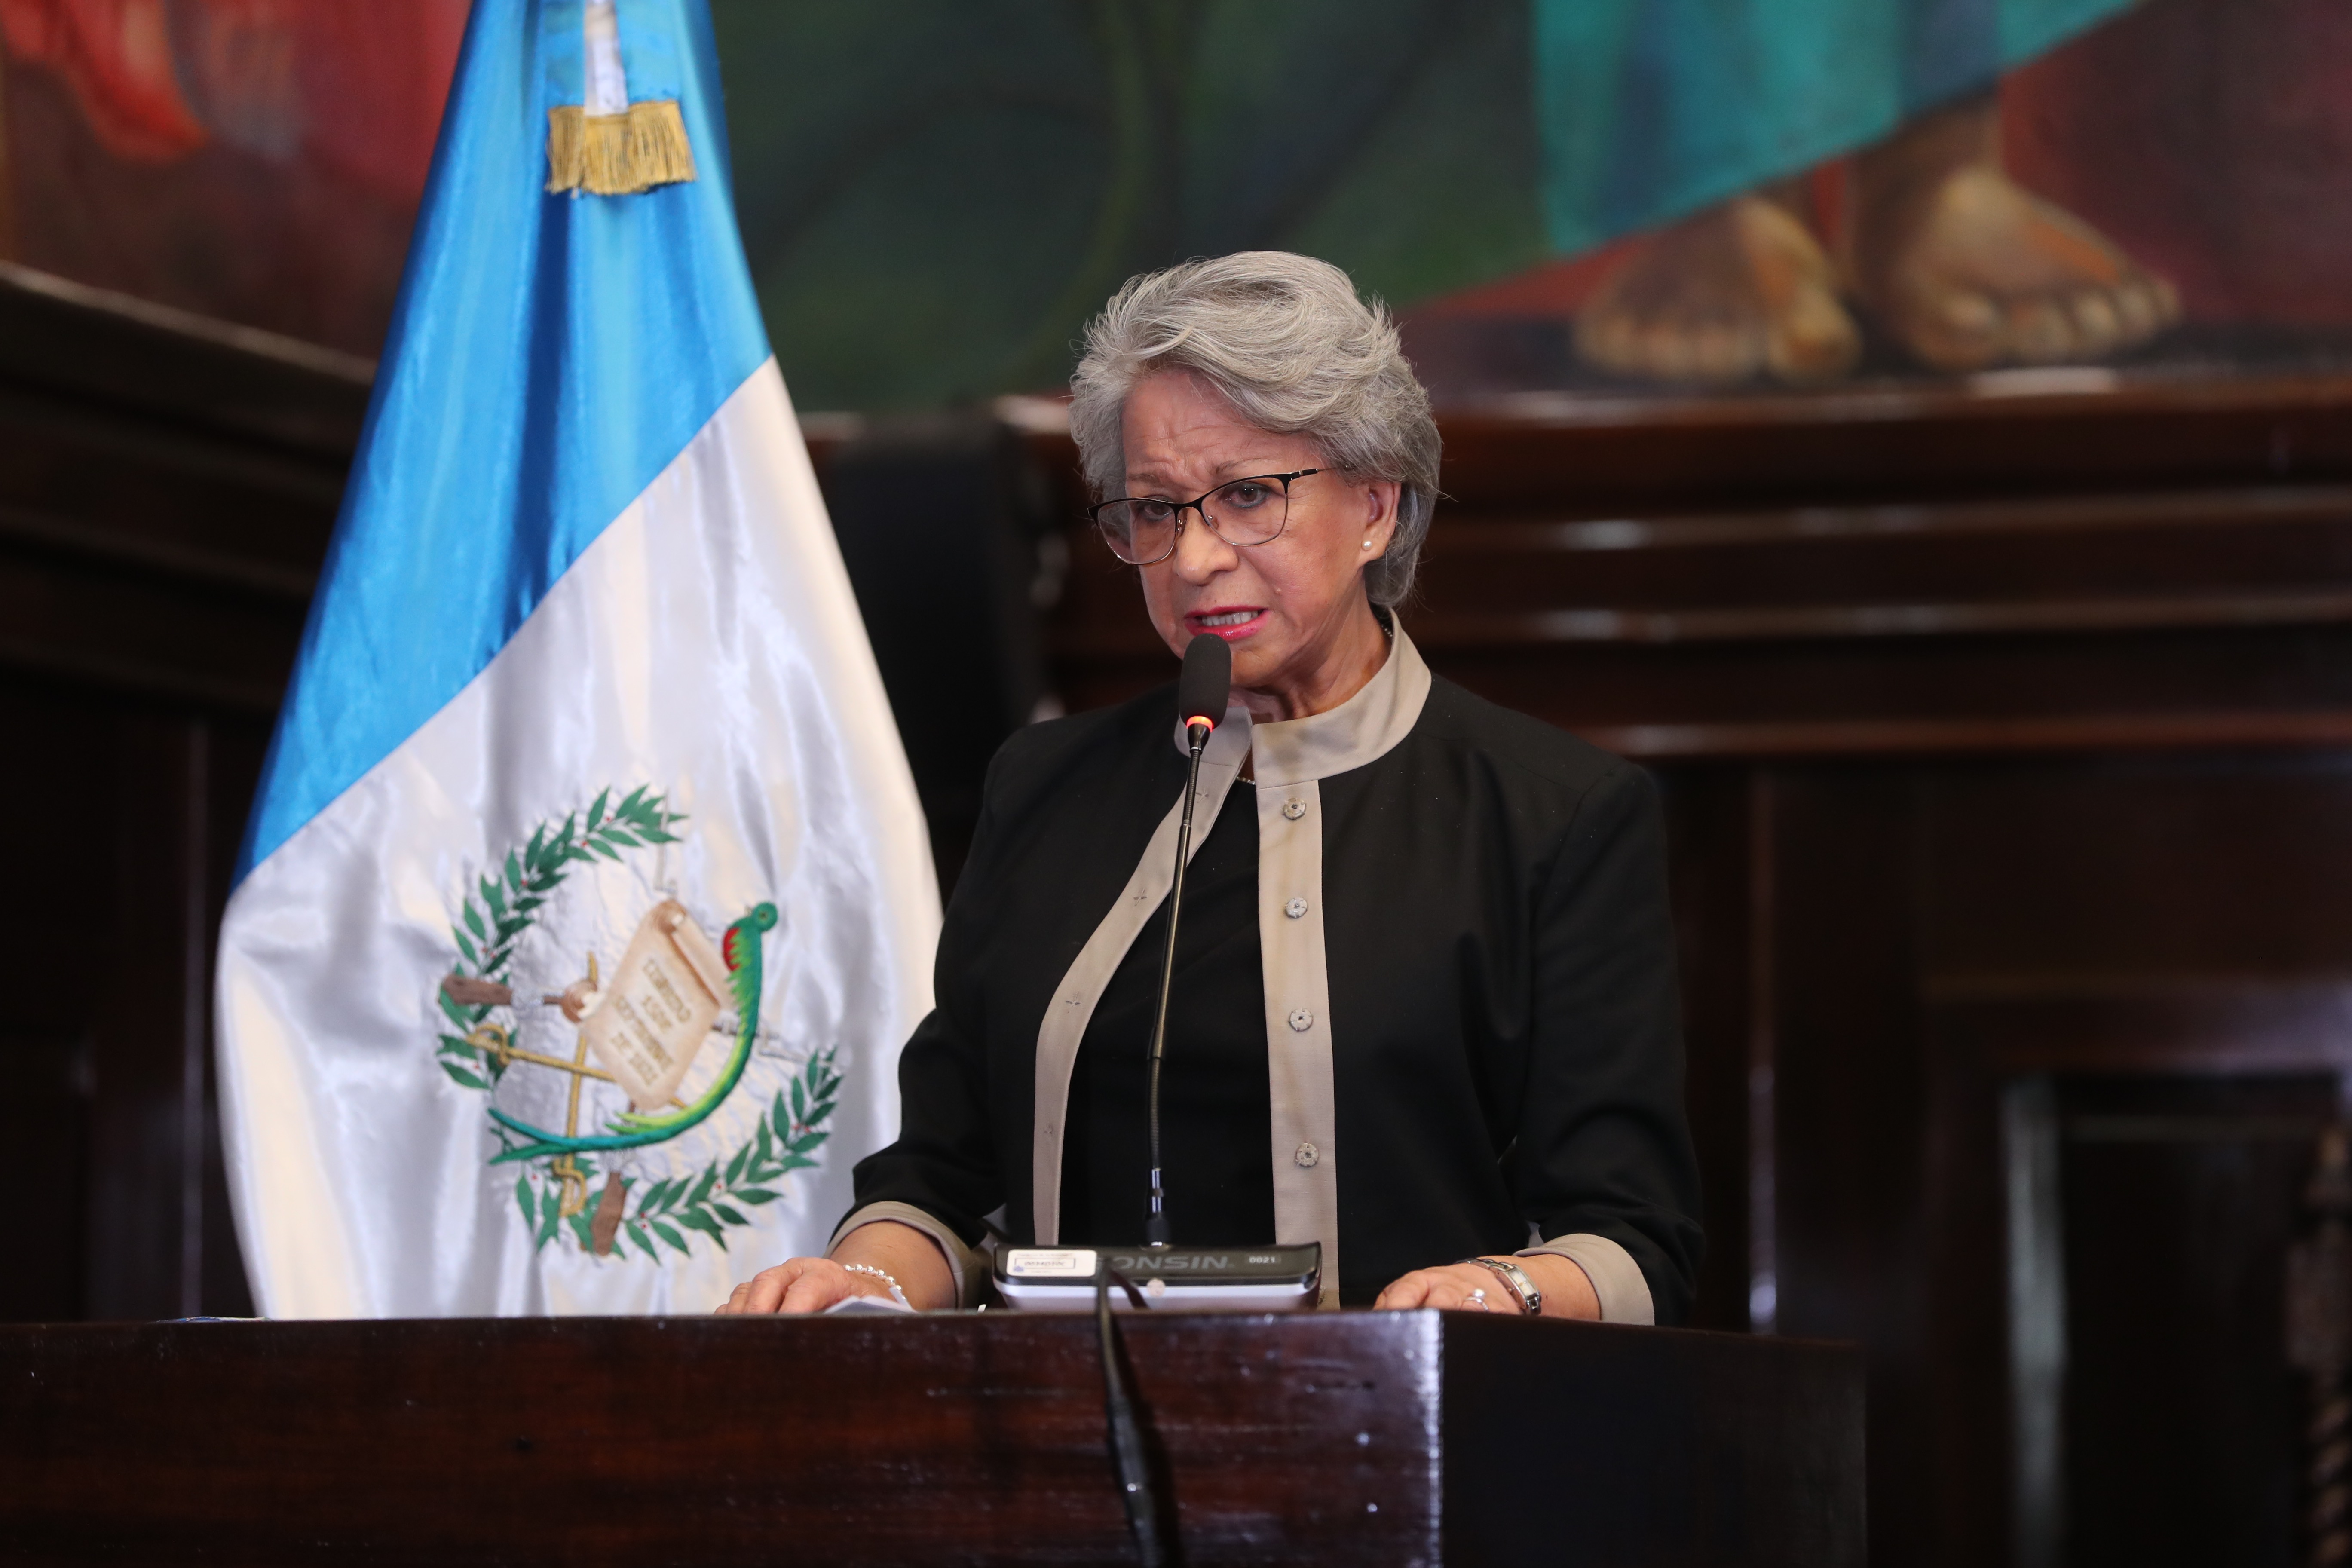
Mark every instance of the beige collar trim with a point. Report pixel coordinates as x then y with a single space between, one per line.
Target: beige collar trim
1364 728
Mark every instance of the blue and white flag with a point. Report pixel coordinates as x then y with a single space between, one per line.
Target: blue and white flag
586 899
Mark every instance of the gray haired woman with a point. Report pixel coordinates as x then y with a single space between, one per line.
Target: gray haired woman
1425 1006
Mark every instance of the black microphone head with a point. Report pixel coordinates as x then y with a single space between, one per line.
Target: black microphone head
1203 689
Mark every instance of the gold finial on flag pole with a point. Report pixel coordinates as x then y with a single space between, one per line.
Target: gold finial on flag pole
606 146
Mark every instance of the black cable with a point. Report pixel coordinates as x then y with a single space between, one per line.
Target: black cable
1127 1449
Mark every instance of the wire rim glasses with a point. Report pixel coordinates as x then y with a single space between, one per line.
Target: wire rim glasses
1142 531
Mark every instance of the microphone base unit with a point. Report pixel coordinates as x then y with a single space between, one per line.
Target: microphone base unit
1188 1279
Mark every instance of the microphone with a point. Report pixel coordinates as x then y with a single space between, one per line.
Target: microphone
1201 692
1204 688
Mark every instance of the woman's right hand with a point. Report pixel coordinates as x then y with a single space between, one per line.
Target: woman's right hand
884 1250
799 1285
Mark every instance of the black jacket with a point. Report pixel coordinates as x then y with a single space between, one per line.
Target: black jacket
1504 1037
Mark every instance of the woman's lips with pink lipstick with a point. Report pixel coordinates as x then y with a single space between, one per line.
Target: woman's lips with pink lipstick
1230 622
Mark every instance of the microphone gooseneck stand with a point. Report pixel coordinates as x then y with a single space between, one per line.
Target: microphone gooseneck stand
1202 694
1128 1452
1197 732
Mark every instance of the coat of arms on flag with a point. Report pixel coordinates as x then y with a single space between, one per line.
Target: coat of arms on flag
636 1052
586 899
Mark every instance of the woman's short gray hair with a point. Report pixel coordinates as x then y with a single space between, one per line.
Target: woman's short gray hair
1292 348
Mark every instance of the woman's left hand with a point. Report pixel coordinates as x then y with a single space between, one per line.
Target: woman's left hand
1457 1287
1460 1287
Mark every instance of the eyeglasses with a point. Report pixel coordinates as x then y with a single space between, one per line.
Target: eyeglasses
1241 512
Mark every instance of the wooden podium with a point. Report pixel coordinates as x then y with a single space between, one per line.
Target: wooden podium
1348 1437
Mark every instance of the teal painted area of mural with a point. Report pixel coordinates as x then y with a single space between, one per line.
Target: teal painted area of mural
935 195
1654 109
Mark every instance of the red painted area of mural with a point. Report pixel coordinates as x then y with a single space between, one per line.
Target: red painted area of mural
255 160
116 55
2213 140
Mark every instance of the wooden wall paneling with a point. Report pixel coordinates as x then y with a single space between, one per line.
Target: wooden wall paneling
1986 1255
2186 870
145 559
133 485
105 349
2183 1423
192 939
2033 1260
1870 443
1708 830
148 1040
2150 1415
1872 662
1761 1057
1912 696
2236 556
1851 1106
60 877
167 485
944 522
236 748
2168 925
45 1123
1100 648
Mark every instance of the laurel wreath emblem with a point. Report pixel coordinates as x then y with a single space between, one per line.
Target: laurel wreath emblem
552 1191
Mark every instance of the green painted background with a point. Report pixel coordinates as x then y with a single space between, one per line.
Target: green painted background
936 193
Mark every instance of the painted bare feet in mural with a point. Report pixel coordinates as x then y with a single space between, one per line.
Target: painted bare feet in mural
1742 289
1967 270
1964 269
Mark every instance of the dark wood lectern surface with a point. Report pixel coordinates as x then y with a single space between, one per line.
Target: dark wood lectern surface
1354 1437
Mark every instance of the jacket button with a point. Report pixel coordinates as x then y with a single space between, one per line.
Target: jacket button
1306 1156
1294 809
1296 909
1301 1019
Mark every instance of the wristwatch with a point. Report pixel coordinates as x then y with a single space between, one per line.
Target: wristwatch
1530 1299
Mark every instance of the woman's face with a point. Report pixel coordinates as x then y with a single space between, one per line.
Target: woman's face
1290 609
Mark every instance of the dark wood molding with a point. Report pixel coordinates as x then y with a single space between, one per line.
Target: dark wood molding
2234 505
168 485
70 339
1763 1054
2325 607
1897 442
171 559
1927 738
2140 1025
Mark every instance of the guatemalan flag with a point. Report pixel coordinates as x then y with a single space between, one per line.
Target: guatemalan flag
586 899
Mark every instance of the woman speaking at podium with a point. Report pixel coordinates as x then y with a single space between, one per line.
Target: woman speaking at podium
1424 1004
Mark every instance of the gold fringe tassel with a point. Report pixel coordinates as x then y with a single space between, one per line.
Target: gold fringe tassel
617 155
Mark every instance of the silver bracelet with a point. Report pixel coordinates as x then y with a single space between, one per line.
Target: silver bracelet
885 1276
1530 1300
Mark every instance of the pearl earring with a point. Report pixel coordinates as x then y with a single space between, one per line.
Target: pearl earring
1367 544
